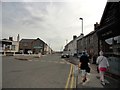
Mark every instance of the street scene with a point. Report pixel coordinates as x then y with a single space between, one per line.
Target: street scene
59 44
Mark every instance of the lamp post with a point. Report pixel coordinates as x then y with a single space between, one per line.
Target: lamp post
82 24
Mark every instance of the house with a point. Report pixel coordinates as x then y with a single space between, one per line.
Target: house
8 46
47 49
71 47
34 45
89 43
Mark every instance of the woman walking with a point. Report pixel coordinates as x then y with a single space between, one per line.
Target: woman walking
102 65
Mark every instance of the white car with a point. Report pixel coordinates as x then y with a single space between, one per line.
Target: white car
65 55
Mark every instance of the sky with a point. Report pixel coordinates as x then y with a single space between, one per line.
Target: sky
53 21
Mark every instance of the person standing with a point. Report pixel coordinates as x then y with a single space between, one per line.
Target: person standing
103 66
83 65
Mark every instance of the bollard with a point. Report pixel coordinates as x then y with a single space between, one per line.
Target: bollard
14 54
4 53
39 55
76 72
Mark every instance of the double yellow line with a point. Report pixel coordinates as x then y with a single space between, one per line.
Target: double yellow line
70 80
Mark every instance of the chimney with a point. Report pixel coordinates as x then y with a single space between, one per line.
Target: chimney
11 38
74 37
18 37
96 26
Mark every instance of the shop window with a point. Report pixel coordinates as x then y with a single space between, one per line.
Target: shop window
112 46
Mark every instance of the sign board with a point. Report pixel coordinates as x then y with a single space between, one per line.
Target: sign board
37 47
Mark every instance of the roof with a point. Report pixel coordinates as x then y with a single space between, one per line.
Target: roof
30 40
27 40
92 32
110 6
110 21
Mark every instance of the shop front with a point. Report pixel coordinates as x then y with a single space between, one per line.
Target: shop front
109 42
109 36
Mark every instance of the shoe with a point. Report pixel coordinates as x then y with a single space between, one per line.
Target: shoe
102 82
87 80
84 80
88 73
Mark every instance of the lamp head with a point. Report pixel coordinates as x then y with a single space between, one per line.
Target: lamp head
81 18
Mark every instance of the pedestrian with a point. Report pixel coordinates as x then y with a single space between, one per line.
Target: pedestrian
102 66
83 65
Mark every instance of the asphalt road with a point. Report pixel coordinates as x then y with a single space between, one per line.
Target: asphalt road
49 71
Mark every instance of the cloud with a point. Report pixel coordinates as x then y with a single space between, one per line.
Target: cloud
0 21
53 22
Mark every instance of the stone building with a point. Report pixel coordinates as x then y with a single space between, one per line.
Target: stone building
89 43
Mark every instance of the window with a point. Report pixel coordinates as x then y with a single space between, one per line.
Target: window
13 47
25 44
112 45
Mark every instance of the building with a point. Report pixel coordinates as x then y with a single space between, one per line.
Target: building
34 46
89 43
47 49
8 46
109 35
71 47
105 37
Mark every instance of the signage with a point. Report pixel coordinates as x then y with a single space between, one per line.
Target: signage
37 47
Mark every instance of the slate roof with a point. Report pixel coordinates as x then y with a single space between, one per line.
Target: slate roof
27 40
30 40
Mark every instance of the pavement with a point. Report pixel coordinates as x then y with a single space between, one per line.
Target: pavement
93 79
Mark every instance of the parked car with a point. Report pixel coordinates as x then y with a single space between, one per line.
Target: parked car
65 55
79 55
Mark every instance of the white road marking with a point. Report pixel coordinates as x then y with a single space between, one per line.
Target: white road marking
30 60
61 62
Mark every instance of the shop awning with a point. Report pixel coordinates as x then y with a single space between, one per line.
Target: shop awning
111 30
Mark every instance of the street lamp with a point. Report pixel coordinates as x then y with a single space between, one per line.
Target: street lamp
82 24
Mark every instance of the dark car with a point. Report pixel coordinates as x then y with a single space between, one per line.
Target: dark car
79 55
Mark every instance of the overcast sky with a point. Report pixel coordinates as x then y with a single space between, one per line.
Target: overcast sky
52 21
